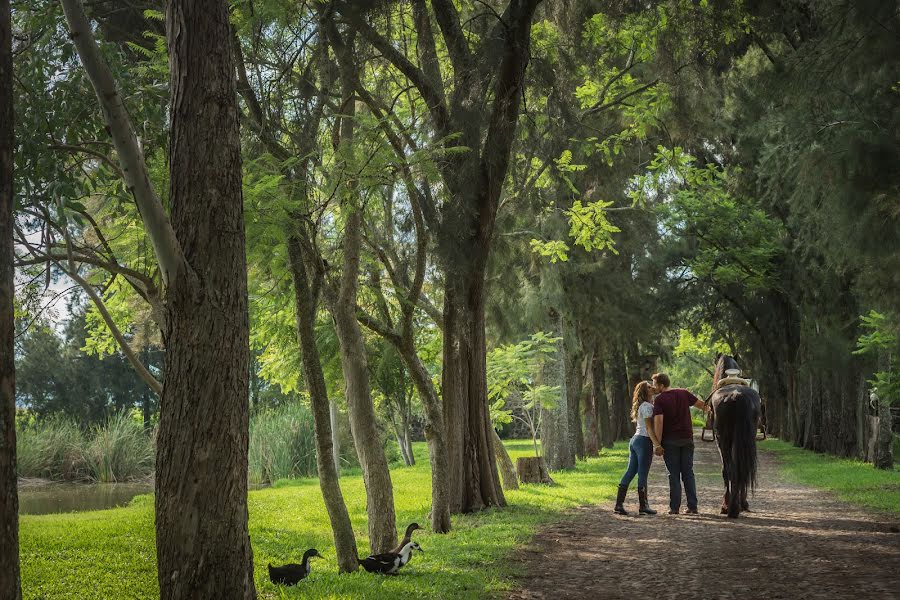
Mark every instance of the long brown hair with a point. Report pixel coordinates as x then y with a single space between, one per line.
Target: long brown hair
641 395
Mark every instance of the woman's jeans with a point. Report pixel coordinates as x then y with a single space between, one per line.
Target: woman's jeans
640 456
679 457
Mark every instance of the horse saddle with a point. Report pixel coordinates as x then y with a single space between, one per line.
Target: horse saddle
732 380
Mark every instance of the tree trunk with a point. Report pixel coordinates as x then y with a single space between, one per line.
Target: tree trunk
618 395
884 438
145 410
556 445
335 437
532 469
574 385
323 422
601 401
401 436
354 359
10 584
507 470
202 541
435 435
473 480
407 437
634 371
591 432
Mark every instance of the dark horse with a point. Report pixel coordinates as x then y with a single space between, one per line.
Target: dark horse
736 411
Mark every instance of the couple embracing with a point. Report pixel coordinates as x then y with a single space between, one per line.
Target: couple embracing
662 417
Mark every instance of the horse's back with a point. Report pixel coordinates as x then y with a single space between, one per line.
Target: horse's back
734 394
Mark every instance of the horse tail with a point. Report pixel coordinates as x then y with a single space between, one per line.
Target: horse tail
742 472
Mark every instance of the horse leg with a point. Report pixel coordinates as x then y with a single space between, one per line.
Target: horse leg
745 506
725 495
725 454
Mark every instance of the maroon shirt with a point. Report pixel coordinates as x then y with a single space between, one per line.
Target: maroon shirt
675 407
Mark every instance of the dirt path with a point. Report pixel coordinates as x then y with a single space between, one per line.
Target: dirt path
797 543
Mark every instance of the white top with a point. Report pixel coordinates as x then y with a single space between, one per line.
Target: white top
645 411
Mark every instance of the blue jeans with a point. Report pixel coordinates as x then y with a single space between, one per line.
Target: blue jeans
640 457
679 458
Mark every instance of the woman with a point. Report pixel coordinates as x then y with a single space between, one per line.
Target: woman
640 448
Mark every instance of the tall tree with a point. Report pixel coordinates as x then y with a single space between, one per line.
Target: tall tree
10 585
203 544
202 540
342 301
304 261
476 122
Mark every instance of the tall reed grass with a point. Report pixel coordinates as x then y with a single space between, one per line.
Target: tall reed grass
282 444
57 448
119 451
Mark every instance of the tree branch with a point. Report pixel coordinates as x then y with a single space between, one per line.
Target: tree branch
457 47
134 168
132 357
433 97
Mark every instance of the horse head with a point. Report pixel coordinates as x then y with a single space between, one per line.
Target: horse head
724 362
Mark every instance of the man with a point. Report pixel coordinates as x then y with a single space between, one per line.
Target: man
672 424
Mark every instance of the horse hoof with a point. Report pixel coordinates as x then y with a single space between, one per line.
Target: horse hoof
724 510
733 515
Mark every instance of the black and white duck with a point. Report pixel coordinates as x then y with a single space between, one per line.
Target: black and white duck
388 563
407 538
292 573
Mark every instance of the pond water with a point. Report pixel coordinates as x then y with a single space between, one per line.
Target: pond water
49 498
75 497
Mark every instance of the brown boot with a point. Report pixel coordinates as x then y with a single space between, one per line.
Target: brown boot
620 500
645 506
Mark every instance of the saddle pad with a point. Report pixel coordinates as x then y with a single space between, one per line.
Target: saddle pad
732 381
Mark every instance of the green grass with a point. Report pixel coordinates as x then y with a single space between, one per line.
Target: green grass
111 554
851 480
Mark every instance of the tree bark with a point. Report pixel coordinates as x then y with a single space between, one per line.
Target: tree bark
574 385
202 539
10 578
473 480
601 400
326 462
884 438
145 410
407 437
335 437
618 395
507 469
435 434
532 469
592 432
556 442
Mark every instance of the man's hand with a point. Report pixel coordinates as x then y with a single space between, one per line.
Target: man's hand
658 451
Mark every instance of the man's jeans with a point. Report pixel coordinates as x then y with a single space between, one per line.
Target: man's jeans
679 458
640 457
